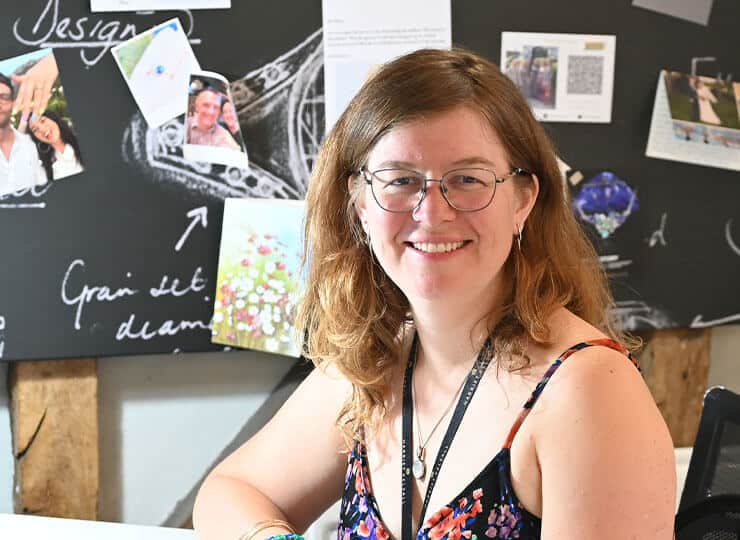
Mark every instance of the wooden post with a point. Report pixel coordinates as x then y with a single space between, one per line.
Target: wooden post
54 416
675 364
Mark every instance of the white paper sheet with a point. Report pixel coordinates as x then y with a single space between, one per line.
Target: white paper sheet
157 65
359 35
138 5
690 142
565 77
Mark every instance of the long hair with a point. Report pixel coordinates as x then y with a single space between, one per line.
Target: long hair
46 153
352 314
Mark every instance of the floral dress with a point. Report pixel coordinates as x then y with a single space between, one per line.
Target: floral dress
486 508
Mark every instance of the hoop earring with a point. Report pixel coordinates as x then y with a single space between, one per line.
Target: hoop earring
519 237
44 148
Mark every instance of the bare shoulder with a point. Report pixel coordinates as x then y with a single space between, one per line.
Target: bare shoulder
605 452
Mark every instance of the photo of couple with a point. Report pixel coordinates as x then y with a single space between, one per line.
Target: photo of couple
37 141
706 100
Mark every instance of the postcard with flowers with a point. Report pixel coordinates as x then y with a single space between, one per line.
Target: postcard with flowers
258 275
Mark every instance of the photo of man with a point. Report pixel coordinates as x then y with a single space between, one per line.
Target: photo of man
20 167
203 126
212 131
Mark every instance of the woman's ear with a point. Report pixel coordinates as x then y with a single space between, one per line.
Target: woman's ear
526 196
359 201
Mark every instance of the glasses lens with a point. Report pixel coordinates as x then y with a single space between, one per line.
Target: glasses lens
6 97
470 189
397 190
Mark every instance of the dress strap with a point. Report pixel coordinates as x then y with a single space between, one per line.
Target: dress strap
603 342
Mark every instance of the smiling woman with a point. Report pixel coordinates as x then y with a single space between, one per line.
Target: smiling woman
441 242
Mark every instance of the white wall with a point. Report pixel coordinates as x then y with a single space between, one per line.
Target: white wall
164 420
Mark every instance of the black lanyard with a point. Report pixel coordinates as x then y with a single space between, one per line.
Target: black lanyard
471 384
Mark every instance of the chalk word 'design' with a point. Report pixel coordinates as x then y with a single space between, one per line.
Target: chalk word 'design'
52 29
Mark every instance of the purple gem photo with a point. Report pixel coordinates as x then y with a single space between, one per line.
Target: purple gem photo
605 201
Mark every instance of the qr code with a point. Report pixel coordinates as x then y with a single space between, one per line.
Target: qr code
585 74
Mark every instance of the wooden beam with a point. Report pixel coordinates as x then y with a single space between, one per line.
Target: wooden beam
54 416
675 364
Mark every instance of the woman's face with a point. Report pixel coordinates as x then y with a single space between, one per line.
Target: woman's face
229 114
45 129
437 252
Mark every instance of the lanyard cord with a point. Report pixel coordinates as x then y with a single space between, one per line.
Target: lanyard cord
471 384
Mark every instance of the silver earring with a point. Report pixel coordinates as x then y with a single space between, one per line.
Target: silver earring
519 236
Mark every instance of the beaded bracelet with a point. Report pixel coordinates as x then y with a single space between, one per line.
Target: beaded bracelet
286 536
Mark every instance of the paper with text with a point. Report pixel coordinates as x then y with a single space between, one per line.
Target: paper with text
360 35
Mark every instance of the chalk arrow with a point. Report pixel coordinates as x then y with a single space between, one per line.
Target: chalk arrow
196 215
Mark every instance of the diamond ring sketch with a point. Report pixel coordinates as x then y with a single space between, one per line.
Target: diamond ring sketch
280 107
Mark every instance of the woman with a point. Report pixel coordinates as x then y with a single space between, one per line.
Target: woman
447 278
57 145
706 100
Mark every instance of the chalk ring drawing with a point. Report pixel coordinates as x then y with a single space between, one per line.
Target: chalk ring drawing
281 111
605 201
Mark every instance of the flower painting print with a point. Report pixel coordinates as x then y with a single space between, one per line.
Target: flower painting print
258 275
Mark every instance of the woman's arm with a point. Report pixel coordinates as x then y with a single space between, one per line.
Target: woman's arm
292 469
605 453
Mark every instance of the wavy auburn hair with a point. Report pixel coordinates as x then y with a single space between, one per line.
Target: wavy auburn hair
352 314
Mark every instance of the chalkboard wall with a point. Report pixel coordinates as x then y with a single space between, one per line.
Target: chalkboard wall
90 266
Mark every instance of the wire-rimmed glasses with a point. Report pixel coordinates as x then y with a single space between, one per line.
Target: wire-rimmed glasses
467 189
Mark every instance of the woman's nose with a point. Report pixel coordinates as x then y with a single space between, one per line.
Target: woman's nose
433 206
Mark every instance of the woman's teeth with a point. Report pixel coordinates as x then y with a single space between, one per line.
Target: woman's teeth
437 248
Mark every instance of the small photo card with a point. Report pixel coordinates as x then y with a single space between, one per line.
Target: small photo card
259 275
157 65
565 77
695 120
212 131
34 114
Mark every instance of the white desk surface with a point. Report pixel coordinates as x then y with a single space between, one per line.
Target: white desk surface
23 527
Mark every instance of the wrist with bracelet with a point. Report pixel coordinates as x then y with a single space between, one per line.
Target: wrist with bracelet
269 524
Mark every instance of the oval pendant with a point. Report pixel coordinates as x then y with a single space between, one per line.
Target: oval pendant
419 469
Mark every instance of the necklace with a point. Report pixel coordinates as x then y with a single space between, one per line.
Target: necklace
419 468
407 423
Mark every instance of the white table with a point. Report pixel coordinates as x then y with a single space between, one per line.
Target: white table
23 527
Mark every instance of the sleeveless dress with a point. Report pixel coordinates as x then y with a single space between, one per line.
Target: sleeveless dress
486 508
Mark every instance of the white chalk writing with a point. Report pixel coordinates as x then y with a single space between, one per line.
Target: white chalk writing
51 29
728 236
699 322
196 215
197 284
88 294
131 329
658 236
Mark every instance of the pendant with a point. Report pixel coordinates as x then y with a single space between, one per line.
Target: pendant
419 468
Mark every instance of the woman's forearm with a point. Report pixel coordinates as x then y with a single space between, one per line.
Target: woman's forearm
227 508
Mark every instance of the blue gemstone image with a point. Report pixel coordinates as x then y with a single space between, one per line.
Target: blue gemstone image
605 201
160 69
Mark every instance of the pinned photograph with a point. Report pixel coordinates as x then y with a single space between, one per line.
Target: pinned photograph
258 275
212 131
534 70
157 65
38 142
695 120
564 77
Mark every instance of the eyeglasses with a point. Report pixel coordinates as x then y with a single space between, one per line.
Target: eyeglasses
6 98
466 190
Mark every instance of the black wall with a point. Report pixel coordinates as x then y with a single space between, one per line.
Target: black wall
117 224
